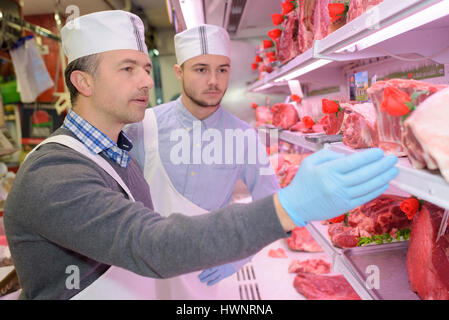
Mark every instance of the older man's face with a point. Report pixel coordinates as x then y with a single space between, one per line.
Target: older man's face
205 79
122 85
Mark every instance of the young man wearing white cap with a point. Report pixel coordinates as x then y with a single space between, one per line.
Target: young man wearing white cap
78 217
197 185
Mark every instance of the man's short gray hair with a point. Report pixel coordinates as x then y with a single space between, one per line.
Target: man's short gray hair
87 64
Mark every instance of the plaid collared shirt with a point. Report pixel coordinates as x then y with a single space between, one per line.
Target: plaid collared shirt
96 141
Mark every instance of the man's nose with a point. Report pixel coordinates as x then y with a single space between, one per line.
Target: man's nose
212 80
146 81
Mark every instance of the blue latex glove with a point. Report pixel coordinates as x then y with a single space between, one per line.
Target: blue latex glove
218 273
329 184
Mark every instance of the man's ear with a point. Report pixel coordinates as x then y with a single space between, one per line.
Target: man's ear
83 82
178 71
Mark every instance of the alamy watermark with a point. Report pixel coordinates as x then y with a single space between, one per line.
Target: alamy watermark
237 146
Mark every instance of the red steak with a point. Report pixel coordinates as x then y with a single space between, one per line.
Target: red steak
284 115
301 240
359 126
427 260
320 287
315 266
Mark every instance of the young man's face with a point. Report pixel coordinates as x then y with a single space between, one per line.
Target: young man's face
205 79
122 85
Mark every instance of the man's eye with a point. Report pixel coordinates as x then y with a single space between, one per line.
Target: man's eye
201 70
128 69
223 70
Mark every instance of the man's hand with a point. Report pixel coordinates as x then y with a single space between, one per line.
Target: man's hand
329 184
216 274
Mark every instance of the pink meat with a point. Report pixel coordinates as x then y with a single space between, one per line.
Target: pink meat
321 20
277 253
264 115
306 14
284 115
389 127
427 261
301 240
426 134
359 7
332 123
359 126
320 287
315 266
287 43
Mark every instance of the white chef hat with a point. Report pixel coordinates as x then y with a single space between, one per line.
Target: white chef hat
103 31
202 39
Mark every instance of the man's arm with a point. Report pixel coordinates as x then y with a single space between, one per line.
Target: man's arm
84 215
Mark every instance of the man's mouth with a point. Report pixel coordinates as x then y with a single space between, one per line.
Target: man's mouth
141 100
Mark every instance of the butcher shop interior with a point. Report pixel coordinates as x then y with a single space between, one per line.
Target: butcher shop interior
234 124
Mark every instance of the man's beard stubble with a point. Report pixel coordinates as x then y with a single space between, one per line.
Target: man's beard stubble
198 101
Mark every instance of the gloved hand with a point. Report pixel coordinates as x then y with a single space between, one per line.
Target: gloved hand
329 184
216 274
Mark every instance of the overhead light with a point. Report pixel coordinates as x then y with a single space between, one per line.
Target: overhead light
155 52
413 21
303 70
192 11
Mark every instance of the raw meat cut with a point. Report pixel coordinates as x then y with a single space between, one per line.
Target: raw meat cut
287 43
332 123
359 7
277 253
321 20
320 287
427 260
301 240
390 127
284 115
315 266
263 115
306 13
359 126
379 216
286 165
426 134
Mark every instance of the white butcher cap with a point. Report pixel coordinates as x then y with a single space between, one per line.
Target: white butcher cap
202 39
103 31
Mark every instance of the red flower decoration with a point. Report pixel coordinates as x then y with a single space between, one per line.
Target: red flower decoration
296 98
394 102
410 207
267 44
274 34
308 122
410 75
277 18
254 66
330 106
254 105
338 219
270 54
287 7
337 10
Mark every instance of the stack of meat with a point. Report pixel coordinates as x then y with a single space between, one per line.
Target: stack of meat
389 98
379 216
426 134
427 256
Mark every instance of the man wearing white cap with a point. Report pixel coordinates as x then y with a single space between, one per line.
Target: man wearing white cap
203 67
79 219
